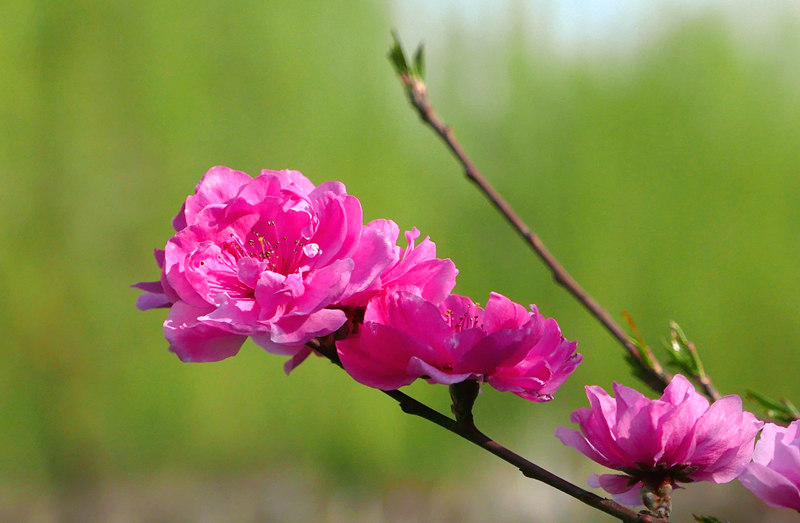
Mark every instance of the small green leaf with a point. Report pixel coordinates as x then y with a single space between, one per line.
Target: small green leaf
419 62
682 352
397 56
790 406
637 339
780 410
637 371
707 519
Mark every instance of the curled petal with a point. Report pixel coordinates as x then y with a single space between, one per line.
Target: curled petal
195 341
619 486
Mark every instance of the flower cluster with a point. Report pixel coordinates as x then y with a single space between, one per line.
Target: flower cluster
774 474
659 443
292 266
283 262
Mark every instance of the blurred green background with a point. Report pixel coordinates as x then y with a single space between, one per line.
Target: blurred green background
653 147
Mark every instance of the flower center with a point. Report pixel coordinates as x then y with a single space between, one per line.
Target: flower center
466 320
281 253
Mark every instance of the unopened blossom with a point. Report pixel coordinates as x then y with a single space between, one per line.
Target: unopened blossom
774 474
267 257
405 337
659 443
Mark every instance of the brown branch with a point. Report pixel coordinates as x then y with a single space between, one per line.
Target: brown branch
652 372
467 430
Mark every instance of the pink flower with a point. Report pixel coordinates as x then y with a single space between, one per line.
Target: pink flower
405 337
774 474
657 443
269 258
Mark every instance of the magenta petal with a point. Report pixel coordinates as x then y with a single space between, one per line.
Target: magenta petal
178 250
237 316
266 188
419 269
415 270
298 330
194 341
154 296
479 353
379 356
574 439
537 362
725 440
291 180
770 486
342 221
619 486
434 279
217 186
324 286
771 435
297 359
681 392
152 301
149 286
272 295
502 313
373 255
638 433
412 315
599 426
210 273
418 367
774 474
249 271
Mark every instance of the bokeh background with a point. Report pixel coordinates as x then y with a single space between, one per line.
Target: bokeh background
652 145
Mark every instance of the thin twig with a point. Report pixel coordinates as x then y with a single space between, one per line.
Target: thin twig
468 431
653 374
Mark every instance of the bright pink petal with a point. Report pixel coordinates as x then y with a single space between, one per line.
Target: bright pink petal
373 255
293 181
771 435
502 313
195 341
433 374
298 330
324 286
217 186
379 356
237 316
297 359
619 486
770 486
574 439
725 437
154 296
